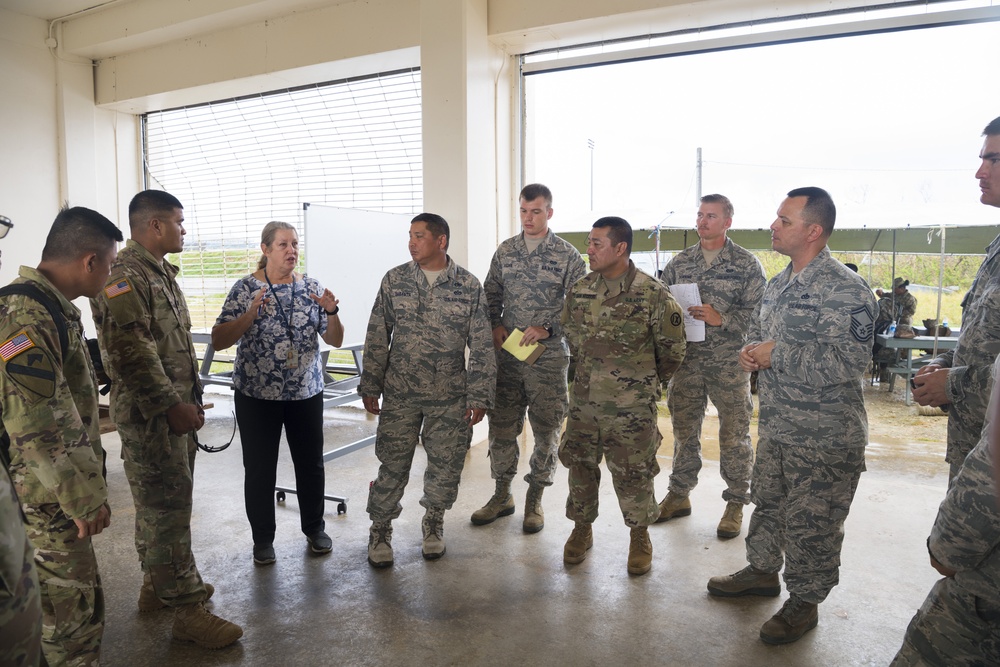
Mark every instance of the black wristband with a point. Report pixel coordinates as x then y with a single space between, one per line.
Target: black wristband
333 312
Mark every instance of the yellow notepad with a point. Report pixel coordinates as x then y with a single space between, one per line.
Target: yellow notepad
527 353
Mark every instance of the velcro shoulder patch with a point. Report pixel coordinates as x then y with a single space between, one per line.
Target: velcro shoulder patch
16 345
33 371
118 288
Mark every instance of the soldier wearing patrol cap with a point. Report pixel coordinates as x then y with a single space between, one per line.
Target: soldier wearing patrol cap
144 330
626 334
811 345
48 394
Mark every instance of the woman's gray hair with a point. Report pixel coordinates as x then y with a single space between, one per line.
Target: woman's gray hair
267 237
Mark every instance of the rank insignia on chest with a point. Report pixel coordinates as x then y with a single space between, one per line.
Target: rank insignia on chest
16 346
119 288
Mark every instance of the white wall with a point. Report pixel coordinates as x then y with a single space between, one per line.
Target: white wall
29 177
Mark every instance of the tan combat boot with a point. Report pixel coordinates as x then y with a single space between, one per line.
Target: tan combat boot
534 517
747 581
795 618
640 551
580 541
194 623
380 544
433 527
148 601
674 506
501 504
732 520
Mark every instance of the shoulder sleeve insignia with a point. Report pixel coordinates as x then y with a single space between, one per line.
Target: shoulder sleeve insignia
16 345
33 370
119 288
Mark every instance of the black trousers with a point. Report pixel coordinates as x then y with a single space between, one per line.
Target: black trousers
260 433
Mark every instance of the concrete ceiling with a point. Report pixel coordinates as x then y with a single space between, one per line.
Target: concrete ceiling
51 9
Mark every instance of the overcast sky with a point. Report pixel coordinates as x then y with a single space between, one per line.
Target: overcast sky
890 124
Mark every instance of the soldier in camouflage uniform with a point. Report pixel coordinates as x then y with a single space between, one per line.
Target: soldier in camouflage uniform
49 403
20 603
959 623
426 314
906 303
731 283
812 349
528 280
626 334
960 378
144 330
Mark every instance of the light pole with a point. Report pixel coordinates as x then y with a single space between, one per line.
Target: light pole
590 145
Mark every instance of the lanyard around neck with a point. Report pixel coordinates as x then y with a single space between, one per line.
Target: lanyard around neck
277 302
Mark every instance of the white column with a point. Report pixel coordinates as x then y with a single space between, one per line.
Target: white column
458 67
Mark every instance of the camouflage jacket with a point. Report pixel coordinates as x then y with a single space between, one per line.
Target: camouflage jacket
966 533
144 329
50 405
417 336
624 347
906 308
969 379
733 285
822 323
524 290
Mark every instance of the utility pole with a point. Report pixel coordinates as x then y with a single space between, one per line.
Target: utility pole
697 194
590 145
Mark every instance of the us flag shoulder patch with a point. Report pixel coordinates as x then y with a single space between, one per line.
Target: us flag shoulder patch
15 346
119 288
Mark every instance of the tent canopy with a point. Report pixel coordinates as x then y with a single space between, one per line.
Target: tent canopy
970 240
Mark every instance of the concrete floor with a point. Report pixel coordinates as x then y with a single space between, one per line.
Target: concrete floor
500 597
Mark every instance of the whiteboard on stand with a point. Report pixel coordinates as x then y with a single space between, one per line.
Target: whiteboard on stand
349 251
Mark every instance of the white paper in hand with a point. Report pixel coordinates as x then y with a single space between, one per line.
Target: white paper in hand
687 295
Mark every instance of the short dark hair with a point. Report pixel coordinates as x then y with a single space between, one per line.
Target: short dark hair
79 231
852 266
819 208
619 231
993 128
533 191
727 206
149 204
436 225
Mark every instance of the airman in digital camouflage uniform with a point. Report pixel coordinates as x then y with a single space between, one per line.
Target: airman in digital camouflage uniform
49 403
731 283
426 314
811 350
626 334
958 624
906 303
960 378
144 330
20 603
525 289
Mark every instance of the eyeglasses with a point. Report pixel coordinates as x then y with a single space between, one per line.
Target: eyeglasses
5 225
210 449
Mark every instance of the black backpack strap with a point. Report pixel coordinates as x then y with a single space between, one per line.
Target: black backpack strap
55 312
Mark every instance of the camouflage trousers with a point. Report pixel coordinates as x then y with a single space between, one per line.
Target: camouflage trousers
159 467
71 591
628 438
729 388
965 427
953 628
446 437
539 389
20 605
802 496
